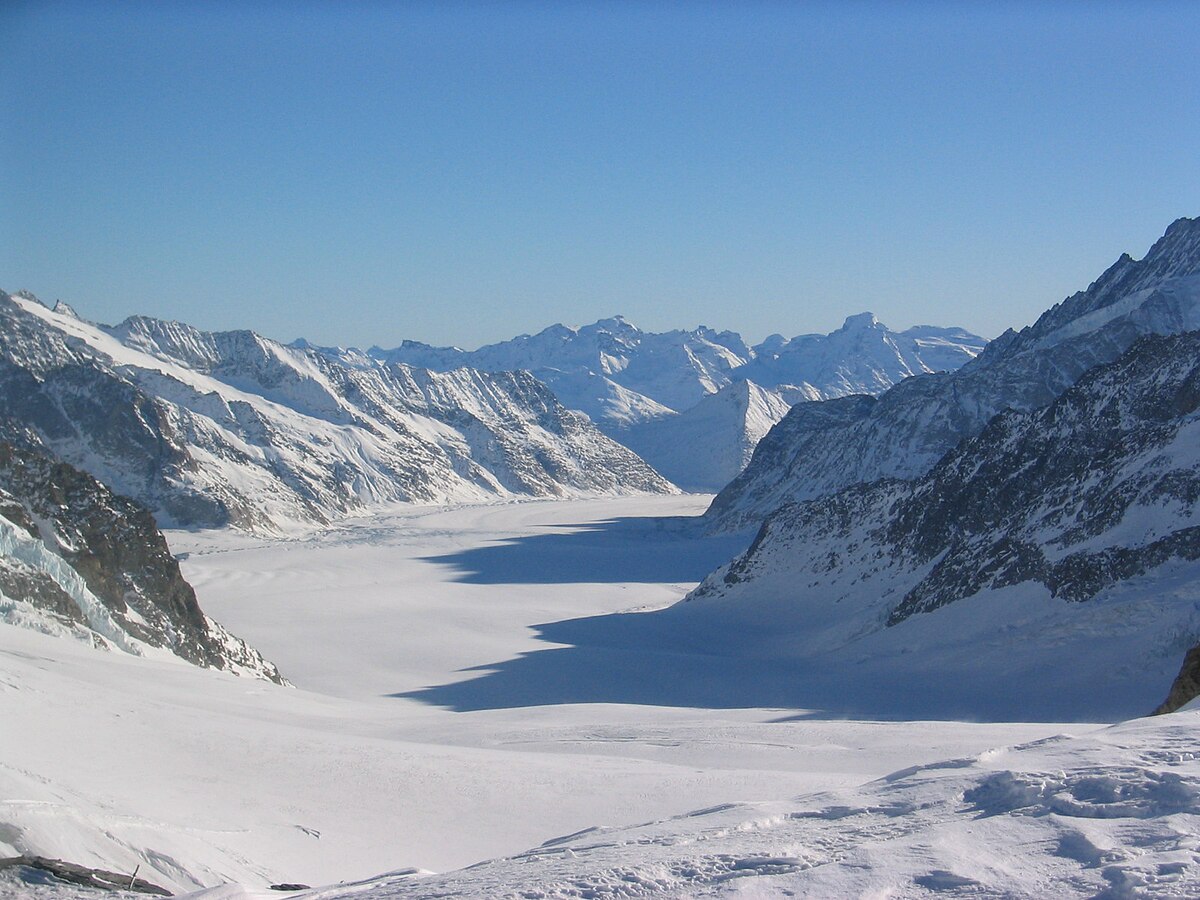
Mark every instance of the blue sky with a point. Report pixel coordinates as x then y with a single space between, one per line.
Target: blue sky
362 173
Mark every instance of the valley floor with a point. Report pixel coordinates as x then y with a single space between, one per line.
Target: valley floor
433 723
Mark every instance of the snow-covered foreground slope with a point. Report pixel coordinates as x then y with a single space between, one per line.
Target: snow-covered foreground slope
211 429
1112 815
910 427
414 737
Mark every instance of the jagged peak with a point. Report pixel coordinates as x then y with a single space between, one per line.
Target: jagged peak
65 309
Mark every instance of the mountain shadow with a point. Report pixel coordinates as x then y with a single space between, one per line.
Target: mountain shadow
637 549
663 658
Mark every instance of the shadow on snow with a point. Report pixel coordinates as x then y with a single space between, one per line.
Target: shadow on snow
684 657
670 658
644 550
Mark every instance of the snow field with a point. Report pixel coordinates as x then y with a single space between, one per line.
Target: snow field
201 778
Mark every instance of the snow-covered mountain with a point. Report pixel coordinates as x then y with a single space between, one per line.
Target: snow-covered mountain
1050 562
620 375
702 448
656 392
78 561
864 356
611 369
911 426
231 428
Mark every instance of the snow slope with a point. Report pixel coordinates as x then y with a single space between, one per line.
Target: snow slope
391 626
705 447
915 423
1115 814
209 429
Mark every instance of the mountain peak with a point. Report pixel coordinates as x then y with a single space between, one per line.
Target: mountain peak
859 322
1177 252
615 323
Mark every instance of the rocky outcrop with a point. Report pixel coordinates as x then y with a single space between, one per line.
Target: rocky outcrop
1186 686
76 557
62 872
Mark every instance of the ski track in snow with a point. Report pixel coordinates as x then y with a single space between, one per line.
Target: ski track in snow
201 778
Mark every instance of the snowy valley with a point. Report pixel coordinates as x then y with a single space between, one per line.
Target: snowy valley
908 652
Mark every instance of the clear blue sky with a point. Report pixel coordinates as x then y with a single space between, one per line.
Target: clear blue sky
361 173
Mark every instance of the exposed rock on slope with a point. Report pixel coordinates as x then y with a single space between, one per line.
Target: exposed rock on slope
77 559
916 422
232 428
1084 515
1186 686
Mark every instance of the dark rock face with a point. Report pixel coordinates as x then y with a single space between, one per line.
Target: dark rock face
1187 684
70 873
911 426
113 544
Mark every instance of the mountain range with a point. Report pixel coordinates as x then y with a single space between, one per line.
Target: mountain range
1019 534
1047 563
652 391
231 428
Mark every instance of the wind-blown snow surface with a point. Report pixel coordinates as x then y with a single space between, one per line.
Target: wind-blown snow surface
1112 815
211 429
451 706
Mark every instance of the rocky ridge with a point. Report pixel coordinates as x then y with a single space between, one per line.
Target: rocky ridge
78 560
